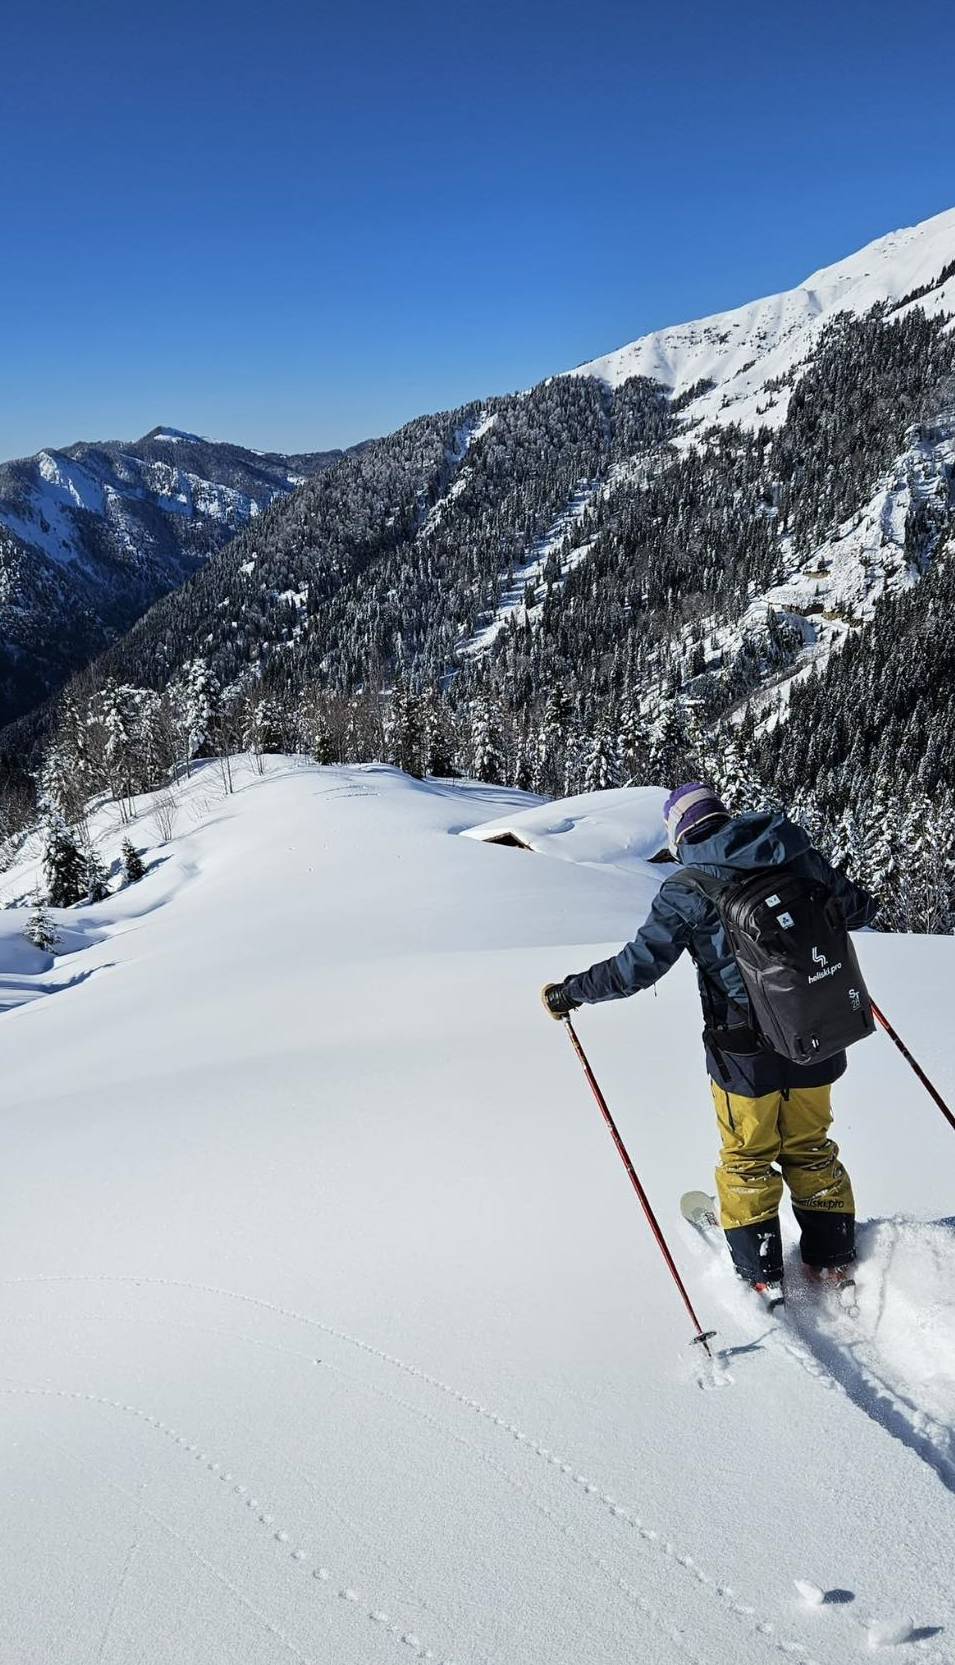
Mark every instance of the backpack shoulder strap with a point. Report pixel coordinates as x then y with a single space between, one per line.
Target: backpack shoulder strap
695 879
714 889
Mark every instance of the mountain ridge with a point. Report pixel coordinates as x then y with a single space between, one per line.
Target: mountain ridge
92 533
625 430
780 330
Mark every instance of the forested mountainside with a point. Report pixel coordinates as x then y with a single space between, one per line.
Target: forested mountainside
91 535
627 561
608 578
393 558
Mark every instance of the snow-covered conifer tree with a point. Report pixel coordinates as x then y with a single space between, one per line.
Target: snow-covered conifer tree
97 879
64 865
40 929
805 811
133 868
66 780
118 714
943 875
194 701
437 735
554 741
68 772
524 760
321 738
601 768
405 730
487 752
669 745
736 774
634 747
154 747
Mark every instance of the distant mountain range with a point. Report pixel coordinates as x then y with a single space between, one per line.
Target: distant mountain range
92 535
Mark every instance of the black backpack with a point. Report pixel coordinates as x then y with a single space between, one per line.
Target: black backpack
789 938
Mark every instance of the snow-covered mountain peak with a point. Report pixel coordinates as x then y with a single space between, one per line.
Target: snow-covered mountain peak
904 259
174 436
748 351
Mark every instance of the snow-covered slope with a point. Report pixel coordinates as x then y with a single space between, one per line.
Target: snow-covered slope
836 587
332 1330
767 340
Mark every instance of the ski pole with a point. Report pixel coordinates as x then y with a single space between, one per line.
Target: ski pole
702 1336
906 1054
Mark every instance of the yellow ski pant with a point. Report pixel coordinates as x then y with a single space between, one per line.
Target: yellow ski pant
780 1136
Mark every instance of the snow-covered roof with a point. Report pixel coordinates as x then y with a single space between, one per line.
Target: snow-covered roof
612 828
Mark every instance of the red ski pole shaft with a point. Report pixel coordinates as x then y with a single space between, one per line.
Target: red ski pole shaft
702 1336
906 1054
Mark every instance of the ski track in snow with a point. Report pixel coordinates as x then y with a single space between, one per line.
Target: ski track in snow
117 1596
651 1539
841 1351
185 1543
834 1367
847 1347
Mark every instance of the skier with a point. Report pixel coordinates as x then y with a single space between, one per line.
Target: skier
773 1114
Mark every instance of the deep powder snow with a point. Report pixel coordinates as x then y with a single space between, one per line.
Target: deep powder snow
332 1330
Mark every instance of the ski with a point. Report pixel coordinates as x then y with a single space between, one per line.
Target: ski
699 1210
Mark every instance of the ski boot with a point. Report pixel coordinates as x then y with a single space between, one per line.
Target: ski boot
772 1295
838 1281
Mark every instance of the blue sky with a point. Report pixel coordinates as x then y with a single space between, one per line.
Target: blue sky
296 224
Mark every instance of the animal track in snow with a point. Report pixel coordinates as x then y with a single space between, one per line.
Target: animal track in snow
624 1513
346 1593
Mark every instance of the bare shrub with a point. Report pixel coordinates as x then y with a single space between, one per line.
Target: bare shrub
165 813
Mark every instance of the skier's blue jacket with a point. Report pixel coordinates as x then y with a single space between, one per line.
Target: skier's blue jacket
681 917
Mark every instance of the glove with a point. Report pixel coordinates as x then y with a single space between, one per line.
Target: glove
557 1001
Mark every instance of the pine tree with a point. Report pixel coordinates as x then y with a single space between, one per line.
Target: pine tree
58 786
554 742
634 747
96 878
118 715
602 760
735 773
321 739
64 865
196 705
524 761
805 811
40 929
487 755
133 868
943 870
405 730
669 745
437 735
